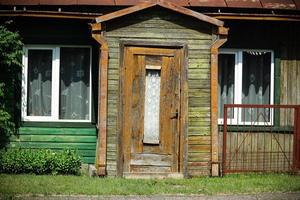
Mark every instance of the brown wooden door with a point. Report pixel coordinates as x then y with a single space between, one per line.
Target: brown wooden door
151 110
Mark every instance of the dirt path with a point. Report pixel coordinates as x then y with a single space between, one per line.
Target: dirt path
261 196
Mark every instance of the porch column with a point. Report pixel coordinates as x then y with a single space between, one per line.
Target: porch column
221 39
102 100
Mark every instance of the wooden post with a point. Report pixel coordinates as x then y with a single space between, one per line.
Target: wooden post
222 38
102 100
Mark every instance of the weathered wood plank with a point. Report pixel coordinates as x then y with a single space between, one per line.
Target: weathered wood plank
148 159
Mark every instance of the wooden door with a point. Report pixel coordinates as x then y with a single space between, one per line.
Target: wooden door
151 110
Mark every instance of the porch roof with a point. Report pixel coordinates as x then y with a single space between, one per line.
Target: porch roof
257 4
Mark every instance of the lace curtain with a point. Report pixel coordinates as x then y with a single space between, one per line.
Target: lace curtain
39 82
152 104
256 84
74 83
226 82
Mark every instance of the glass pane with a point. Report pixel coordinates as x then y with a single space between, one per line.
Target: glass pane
256 84
226 82
152 104
39 82
74 83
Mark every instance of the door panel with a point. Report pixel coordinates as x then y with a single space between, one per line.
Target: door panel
151 106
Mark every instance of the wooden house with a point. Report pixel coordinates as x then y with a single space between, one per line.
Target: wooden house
139 87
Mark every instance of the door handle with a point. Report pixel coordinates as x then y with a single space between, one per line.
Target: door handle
175 115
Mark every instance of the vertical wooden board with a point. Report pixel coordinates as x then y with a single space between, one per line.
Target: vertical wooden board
165 122
127 102
138 92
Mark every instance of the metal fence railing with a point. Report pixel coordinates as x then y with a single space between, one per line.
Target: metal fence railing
261 138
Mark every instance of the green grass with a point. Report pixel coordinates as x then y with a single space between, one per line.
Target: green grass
231 184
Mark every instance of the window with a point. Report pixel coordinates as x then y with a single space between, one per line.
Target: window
245 77
56 83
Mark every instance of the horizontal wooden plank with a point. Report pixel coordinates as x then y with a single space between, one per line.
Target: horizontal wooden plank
54 138
152 169
198 75
195 165
151 159
199 148
202 122
46 145
198 116
199 157
199 84
88 160
157 33
195 44
199 140
204 171
56 131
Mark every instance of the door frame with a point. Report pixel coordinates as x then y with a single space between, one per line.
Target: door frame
183 122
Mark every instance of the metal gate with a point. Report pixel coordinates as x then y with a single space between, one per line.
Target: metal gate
261 138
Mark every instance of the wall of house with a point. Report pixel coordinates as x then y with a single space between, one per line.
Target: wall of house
283 39
57 135
160 25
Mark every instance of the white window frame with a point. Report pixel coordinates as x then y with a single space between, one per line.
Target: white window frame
238 89
55 87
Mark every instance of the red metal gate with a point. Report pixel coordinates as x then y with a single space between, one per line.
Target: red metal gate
261 138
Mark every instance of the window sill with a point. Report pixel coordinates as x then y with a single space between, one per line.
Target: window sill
59 124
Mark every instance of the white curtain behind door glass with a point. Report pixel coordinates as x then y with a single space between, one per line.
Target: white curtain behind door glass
74 83
39 82
225 82
152 104
256 84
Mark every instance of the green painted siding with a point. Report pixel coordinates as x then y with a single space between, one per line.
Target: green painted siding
160 25
83 139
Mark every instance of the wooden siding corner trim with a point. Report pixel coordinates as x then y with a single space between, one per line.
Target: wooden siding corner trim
102 100
214 104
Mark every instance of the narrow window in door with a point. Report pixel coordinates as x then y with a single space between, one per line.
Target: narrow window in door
152 100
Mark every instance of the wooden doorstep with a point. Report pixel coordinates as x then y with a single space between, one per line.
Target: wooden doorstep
150 175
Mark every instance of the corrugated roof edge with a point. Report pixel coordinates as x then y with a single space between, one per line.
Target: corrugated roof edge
257 4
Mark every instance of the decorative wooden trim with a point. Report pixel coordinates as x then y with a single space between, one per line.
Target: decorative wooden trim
124 12
102 100
190 12
214 104
164 4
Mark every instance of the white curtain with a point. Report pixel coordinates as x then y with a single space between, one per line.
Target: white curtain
256 84
74 83
39 82
152 104
225 82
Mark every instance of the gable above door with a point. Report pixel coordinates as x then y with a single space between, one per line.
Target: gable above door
167 5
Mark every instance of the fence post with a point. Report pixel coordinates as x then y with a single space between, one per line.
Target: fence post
296 153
